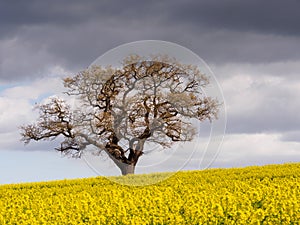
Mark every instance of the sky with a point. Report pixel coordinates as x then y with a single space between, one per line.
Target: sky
252 47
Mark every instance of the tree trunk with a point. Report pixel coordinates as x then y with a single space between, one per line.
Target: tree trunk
127 169
127 165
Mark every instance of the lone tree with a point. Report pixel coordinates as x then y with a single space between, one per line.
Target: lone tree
144 101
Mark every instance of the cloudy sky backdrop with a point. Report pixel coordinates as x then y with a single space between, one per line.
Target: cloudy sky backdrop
253 48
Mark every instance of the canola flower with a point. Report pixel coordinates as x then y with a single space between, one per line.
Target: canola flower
252 195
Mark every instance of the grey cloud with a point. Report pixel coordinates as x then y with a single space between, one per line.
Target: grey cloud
38 36
291 136
38 48
65 13
45 34
278 71
222 47
271 16
264 121
21 59
261 97
276 111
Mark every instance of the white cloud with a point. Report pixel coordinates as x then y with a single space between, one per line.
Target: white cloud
256 149
35 89
280 69
13 112
259 100
17 104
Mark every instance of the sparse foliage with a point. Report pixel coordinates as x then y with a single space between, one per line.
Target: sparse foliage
141 102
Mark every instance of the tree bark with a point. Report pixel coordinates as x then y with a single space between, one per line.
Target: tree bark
127 169
125 164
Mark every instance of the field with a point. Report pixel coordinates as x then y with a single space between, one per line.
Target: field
252 195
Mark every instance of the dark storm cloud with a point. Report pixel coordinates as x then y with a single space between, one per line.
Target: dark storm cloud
268 122
37 35
65 13
270 16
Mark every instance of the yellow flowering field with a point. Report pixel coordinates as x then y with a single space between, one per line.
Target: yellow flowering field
252 195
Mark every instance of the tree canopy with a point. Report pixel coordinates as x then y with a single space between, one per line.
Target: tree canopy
120 109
